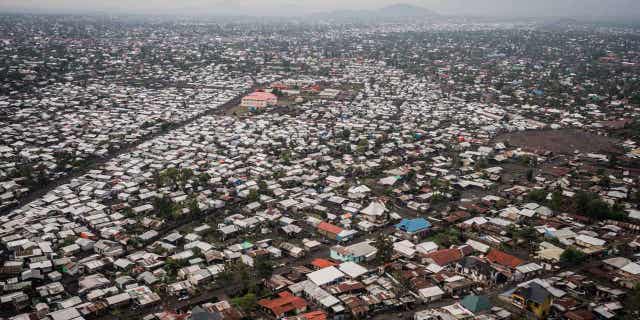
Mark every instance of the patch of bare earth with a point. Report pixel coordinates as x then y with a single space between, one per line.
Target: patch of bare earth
564 141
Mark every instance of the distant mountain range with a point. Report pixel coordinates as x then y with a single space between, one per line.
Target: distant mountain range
610 10
405 10
396 11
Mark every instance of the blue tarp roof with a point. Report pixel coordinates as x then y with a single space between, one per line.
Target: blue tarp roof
413 225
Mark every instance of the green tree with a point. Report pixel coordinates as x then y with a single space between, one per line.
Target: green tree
246 303
582 199
165 126
185 175
598 209
194 208
264 267
69 241
572 257
363 144
530 175
632 304
286 157
166 208
197 252
537 195
385 248
410 176
605 182
169 176
439 188
528 235
172 266
128 212
592 206
345 134
556 201
253 196
455 194
481 164
134 242
226 277
203 178
247 279
448 237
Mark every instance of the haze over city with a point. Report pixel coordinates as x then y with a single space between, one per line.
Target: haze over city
325 160
514 8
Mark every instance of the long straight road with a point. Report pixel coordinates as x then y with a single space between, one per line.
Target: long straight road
97 161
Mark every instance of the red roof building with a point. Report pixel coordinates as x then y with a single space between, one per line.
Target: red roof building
323 263
329 230
259 99
503 259
328 227
285 304
445 256
457 216
313 315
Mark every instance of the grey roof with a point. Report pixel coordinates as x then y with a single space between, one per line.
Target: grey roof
198 313
534 292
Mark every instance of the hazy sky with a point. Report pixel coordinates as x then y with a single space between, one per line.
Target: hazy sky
578 8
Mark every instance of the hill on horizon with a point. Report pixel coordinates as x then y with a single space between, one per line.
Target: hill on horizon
394 11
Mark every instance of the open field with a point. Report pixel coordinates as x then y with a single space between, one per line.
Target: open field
561 141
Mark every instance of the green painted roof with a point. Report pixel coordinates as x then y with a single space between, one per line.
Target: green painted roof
475 303
246 245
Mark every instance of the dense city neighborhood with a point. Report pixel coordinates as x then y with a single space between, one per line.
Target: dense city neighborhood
439 169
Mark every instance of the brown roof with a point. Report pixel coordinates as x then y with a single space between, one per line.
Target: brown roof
445 256
347 286
313 315
557 171
579 315
503 259
475 207
456 216
567 303
287 302
328 227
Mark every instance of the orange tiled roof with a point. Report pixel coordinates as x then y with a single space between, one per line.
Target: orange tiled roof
504 259
258 95
445 256
287 302
313 315
325 226
322 263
